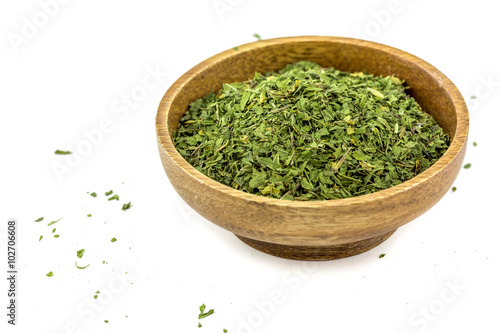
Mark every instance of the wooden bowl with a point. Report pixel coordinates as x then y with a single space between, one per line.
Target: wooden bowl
314 230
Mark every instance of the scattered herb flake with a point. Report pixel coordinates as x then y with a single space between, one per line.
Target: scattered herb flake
53 230
93 194
39 219
199 324
89 215
79 267
224 330
204 314
474 144
62 152
106 321
109 192
96 295
453 189
40 238
381 255
467 166
51 223
236 48
56 236
113 240
49 274
114 197
473 97
80 253
257 36
126 206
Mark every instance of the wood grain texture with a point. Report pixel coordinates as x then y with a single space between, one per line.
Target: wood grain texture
319 224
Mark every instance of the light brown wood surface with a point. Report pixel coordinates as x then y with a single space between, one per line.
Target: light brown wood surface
314 230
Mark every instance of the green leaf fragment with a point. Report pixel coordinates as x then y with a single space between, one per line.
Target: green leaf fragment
39 219
62 152
381 255
49 274
51 223
467 166
126 206
93 194
204 314
114 197
80 253
109 192
113 240
257 36
80 267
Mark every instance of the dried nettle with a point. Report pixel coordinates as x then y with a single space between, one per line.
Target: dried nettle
310 133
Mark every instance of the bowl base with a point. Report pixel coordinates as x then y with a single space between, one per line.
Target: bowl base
319 252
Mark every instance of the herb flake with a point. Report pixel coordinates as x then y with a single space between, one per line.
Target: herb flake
63 152
51 223
80 253
81 267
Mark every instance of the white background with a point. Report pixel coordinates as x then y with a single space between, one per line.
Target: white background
75 69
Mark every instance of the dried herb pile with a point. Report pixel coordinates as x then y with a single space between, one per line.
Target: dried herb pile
310 133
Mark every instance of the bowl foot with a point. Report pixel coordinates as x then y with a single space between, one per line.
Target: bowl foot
317 253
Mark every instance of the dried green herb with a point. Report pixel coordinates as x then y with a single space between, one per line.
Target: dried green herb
310 133
49 274
453 189
96 294
39 219
93 194
51 223
79 267
113 240
126 206
474 144
56 236
381 255
114 197
106 321
40 238
53 230
467 166
204 314
257 36
89 215
63 152
199 325
109 192
80 253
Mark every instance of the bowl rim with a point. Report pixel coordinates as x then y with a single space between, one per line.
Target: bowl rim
457 144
